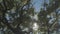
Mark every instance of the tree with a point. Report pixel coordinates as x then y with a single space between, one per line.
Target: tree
44 16
14 14
19 17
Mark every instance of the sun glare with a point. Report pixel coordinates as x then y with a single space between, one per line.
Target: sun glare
35 26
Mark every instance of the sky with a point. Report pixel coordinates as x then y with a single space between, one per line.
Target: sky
38 4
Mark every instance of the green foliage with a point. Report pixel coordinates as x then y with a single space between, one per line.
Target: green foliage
42 16
17 15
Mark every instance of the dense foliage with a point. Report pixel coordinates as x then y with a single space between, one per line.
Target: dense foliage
19 17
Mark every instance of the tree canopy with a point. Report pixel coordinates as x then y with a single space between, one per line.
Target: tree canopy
19 17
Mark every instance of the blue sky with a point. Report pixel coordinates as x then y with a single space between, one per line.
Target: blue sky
38 4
